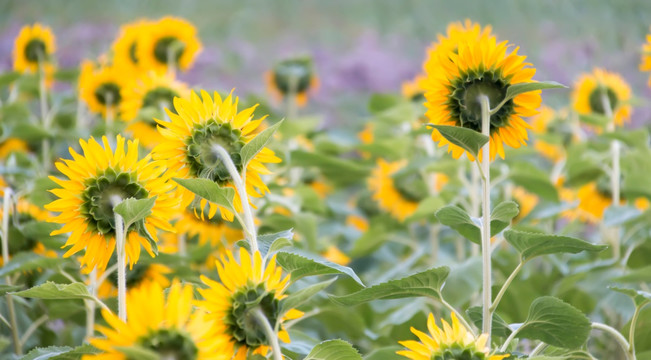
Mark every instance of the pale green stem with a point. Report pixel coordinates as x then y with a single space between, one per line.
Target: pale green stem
486 224
171 58
621 340
506 285
240 186
90 305
538 349
615 172
108 272
269 332
30 330
509 339
631 331
6 206
120 244
459 315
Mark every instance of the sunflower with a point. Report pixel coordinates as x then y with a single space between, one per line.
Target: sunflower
12 145
170 40
101 87
197 125
151 90
526 202
481 66
395 190
125 46
413 89
593 199
589 91
457 33
645 65
19 241
245 287
140 275
167 325
292 76
33 47
95 181
447 342
214 231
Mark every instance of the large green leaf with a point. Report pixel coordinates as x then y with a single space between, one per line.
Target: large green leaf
301 264
134 210
427 283
459 220
210 191
29 261
499 326
636 138
556 323
253 147
502 215
301 296
530 245
50 290
469 140
77 353
333 350
46 352
521 88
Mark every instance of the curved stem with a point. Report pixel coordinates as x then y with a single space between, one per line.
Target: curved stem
269 332
506 285
6 206
30 330
459 316
538 349
486 224
508 340
240 186
631 331
621 340
120 243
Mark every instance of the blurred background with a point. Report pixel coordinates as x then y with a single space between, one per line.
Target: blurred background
360 46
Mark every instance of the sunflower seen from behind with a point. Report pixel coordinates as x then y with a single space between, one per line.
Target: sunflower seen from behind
168 44
125 46
396 189
292 77
600 87
95 181
33 48
456 78
196 125
245 287
449 342
160 320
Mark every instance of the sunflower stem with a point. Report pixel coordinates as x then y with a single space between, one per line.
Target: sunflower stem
615 173
508 340
506 285
90 305
120 243
45 118
171 58
631 331
240 186
6 205
621 340
538 349
262 320
486 224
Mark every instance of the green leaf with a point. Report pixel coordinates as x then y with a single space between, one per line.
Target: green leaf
76 353
8 78
270 243
517 89
253 147
301 296
499 326
138 352
469 140
210 191
530 245
427 283
9 288
29 261
51 290
301 264
639 297
46 353
534 181
556 323
133 210
502 215
333 350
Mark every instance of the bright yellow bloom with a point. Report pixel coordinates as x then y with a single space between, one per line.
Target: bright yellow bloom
167 325
101 88
97 179
139 275
197 125
151 90
170 40
447 342
34 44
215 232
125 47
398 196
455 34
480 66
645 64
244 286
589 91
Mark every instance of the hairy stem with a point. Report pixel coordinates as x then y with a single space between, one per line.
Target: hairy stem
272 338
120 243
240 186
486 224
6 206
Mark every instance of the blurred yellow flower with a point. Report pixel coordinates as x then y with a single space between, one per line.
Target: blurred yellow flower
590 89
34 47
168 41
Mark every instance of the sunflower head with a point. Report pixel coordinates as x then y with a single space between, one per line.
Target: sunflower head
216 232
96 181
396 188
167 325
196 126
246 287
456 79
169 41
594 91
33 47
101 87
151 91
292 77
125 46
139 275
447 343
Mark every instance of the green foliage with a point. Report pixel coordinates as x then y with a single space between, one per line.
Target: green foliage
333 350
209 190
253 147
530 245
301 264
468 139
50 290
460 221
